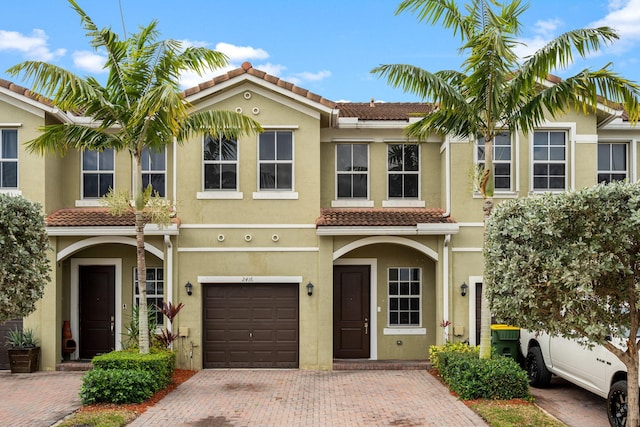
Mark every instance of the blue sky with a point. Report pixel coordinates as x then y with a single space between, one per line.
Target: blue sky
327 47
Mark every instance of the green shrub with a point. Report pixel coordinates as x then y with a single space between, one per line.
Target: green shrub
462 348
117 386
160 364
473 378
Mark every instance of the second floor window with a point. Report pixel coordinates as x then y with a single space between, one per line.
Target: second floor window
403 172
352 170
154 170
549 160
220 163
9 158
97 173
275 159
501 160
612 162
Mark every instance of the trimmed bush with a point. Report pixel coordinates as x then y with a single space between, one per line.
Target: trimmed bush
117 386
473 378
160 364
127 376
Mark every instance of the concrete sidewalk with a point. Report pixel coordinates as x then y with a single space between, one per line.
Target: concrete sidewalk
224 398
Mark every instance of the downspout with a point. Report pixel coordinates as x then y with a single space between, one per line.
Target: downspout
446 147
175 171
445 286
169 276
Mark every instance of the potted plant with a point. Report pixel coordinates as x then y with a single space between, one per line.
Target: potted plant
24 351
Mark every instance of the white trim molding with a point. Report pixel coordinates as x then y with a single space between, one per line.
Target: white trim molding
385 239
249 279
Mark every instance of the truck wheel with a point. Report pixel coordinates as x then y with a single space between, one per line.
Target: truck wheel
617 404
539 375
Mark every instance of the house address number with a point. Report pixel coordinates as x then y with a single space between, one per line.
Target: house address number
247 279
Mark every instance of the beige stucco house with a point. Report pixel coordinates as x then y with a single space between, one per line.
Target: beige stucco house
329 236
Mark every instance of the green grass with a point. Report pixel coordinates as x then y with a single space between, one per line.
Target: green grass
501 413
105 418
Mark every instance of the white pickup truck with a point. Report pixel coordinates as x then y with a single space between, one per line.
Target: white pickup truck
595 369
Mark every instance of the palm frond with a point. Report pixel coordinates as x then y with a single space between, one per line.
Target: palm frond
558 53
432 11
426 85
217 123
58 138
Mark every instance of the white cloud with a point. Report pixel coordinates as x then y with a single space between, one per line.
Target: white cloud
623 17
545 32
33 47
313 77
193 43
241 53
89 61
273 69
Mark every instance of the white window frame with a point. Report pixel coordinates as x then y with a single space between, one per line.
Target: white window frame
276 193
151 171
565 162
155 295
6 160
611 171
496 161
399 296
220 192
98 171
403 201
353 201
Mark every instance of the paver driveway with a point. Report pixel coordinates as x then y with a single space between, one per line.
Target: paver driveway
39 399
226 398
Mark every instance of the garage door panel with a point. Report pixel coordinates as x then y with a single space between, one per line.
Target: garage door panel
251 326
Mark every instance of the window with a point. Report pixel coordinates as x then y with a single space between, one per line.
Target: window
276 160
155 291
9 158
97 173
352 170
220 163
612 162
154 170
549 160
501 160
403 173
404 296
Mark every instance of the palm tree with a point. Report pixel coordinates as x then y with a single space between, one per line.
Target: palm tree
494 91
139 107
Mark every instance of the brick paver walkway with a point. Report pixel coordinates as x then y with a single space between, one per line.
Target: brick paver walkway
226 398
39 399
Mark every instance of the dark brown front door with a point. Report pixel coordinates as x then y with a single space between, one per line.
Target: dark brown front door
250 325
97 310
351 317
478 302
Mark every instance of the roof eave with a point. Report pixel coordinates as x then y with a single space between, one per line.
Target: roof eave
149 230
417 230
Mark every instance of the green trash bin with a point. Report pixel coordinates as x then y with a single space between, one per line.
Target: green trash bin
506 340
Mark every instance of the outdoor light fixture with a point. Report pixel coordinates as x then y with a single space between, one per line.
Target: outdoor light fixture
309 288
463 289
189 287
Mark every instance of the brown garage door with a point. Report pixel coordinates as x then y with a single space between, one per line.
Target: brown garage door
4 328
250 325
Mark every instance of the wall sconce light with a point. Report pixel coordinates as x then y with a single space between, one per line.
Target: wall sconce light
309 288
463 289
189 287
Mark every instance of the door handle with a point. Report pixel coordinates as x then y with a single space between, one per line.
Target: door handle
112 324
366 326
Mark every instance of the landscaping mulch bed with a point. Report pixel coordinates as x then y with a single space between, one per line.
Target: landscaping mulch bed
179 376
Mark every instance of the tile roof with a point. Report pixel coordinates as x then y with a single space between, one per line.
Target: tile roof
385 110
381 217
247 68
91 217
24 92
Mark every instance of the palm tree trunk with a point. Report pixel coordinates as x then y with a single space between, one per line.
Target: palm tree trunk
487 188
143 316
